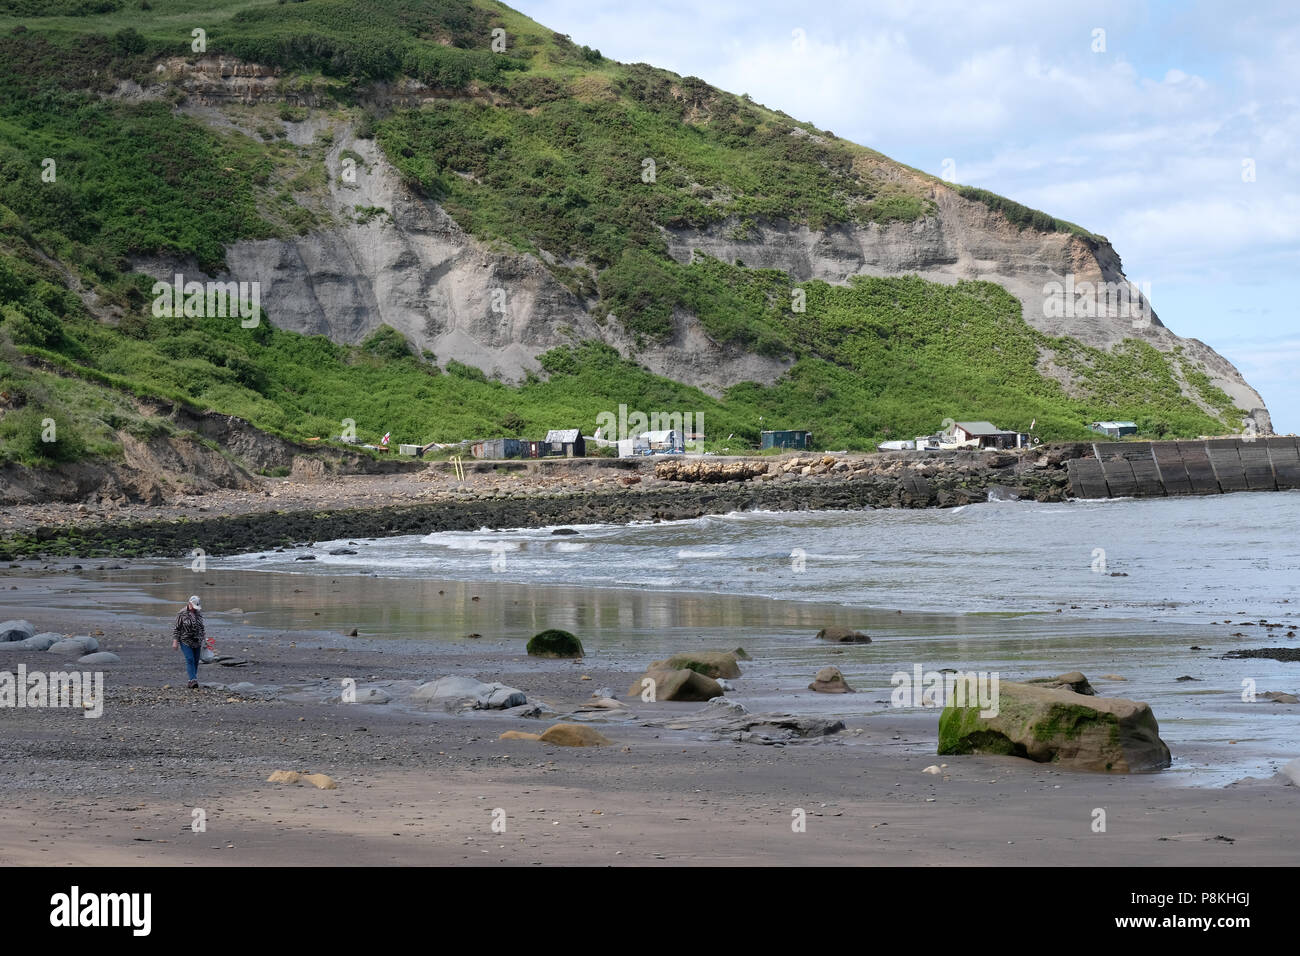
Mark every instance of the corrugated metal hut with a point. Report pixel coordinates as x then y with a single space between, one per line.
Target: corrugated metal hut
564 442
496 448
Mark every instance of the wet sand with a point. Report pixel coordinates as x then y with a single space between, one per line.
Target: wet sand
422 787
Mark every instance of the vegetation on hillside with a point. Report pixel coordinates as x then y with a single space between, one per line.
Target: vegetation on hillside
903 354
1021 216
594 182
546 147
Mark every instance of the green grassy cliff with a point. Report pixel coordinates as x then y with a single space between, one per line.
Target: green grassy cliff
538 149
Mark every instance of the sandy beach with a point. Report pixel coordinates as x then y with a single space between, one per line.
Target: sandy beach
425 787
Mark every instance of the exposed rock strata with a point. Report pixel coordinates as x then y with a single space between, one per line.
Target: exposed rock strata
417 271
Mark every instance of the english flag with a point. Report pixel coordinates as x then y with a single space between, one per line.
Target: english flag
384 441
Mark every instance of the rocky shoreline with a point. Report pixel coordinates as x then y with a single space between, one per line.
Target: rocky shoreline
415 746
510 495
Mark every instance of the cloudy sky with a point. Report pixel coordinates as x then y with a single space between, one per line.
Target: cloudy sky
1170 128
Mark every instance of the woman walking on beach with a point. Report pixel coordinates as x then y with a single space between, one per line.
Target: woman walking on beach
188 636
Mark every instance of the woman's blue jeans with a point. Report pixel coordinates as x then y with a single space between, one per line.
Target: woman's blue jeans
191 660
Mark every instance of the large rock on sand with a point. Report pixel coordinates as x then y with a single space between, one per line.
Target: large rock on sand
100 657
713 664
1290 772
454 689
318 780
496 696
41 642
842 635
16 631
574 735
829 680
1074 681
1059 726
75 645
554 643
682 684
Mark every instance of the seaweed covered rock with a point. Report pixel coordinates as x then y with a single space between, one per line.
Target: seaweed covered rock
713 664
554 643
1054 725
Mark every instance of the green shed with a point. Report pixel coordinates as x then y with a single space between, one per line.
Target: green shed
786 439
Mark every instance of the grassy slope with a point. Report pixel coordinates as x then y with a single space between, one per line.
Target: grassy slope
557 167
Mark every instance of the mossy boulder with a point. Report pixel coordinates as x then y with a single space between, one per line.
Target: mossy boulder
554 643
681 684
1055 725
713 664
842 635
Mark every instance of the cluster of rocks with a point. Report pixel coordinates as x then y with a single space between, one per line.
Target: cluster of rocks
822 465
691 488
693 469
22 636
728 719
318 780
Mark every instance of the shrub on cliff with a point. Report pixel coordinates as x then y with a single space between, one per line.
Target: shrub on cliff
37 436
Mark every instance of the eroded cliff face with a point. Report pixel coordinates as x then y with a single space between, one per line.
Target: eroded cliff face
967 240
391 257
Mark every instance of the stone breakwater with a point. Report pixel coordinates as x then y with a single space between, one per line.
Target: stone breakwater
1210 467
815 482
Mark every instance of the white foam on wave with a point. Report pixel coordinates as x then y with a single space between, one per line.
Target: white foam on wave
494 543
569 546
